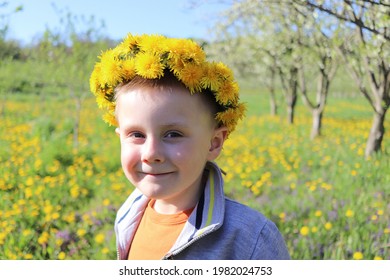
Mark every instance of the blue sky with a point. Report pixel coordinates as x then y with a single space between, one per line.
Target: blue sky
168 17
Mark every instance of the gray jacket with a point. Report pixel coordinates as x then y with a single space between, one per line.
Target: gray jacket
218 228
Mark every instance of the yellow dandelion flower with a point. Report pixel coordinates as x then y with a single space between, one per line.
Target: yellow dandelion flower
43 238
94 80
224 71
318 213
227 93
378 258
110 119
149 66
211 79
128 69
153 44
386 231
26 232
357 256
328 226
129 43
314 229
353 172
81 232
61 256
75 192
191 76
380 212
55 215
105 250
106 202
189 51
374 217
349 213
282 215
304 231
99 238
110 73
28 256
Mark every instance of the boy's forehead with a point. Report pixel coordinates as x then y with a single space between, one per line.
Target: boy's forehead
161 94
173 102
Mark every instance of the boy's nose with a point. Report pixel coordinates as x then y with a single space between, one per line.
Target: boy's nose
152 151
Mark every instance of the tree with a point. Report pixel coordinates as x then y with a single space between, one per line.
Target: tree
268 45
366 52
316 40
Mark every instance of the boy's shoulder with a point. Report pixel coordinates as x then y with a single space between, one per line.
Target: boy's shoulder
242 216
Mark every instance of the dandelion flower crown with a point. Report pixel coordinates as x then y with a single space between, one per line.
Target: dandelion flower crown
148 56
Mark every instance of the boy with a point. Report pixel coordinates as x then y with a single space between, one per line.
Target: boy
173 111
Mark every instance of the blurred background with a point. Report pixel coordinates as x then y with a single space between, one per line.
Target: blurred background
312 153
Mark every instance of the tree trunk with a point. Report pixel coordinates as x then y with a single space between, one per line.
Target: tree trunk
317 123
291 102
273 105
290 110
374 142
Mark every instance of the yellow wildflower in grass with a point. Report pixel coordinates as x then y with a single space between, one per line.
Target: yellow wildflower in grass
328 226
26 232
304 231
75 191
61 256
282 216
357 256
28 256
353 172
314 229
386 231
349 213
59 242
380 212
43 238
378 258
374 217
2 237
81 232
318 213
106 202
99 238
55 215
105 250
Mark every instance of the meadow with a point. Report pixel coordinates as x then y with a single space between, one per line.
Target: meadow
59 195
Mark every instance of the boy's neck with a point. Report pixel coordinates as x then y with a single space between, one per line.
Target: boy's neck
163 206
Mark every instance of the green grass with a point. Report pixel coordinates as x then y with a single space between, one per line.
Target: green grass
59 199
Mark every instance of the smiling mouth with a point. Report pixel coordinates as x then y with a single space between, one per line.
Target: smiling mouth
156 174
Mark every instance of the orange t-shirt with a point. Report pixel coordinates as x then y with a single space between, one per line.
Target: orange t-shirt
156 234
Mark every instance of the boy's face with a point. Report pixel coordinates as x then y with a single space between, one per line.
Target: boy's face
166 139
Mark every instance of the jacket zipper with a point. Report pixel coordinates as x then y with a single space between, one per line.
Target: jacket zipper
170 256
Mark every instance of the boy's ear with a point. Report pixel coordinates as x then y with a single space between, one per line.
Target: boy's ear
117 131
216 143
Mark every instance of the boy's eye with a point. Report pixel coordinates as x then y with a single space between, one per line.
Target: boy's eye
173 134
136 135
